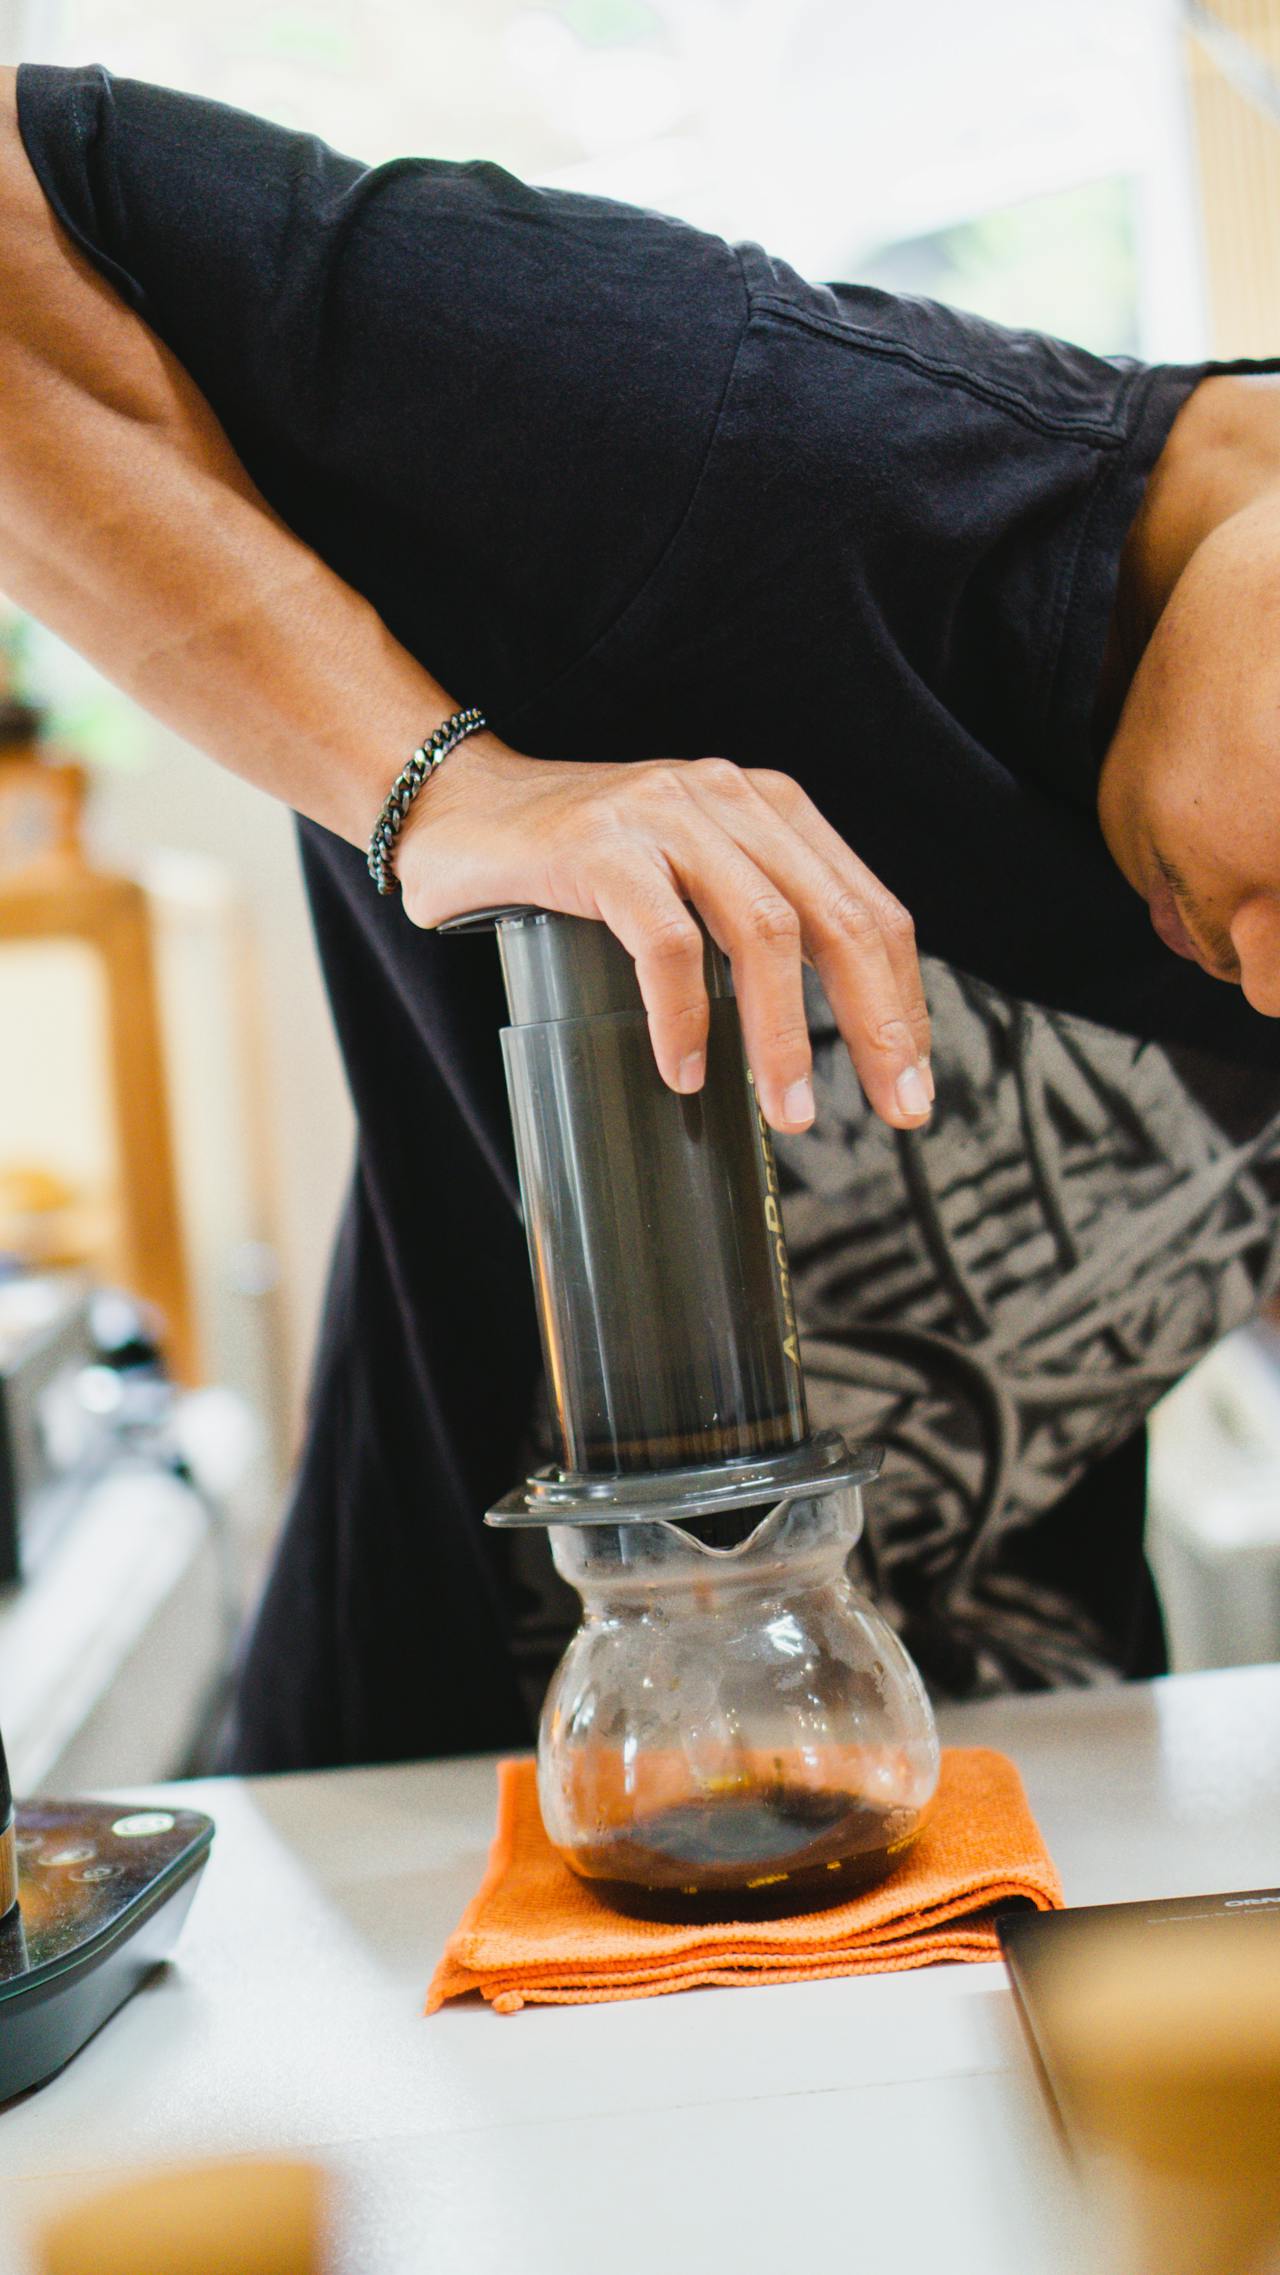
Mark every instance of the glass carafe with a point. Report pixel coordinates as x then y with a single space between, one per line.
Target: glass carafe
732 1730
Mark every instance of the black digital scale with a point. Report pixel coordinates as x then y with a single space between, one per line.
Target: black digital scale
92 1895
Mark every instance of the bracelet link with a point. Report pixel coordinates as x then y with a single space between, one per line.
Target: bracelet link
405 788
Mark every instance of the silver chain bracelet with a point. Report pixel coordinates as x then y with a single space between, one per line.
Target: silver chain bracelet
406 786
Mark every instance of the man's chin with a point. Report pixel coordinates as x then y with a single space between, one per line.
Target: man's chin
1167 923
1119 834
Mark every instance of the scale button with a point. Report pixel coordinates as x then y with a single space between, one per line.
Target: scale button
83 1854
93 1873
137 1828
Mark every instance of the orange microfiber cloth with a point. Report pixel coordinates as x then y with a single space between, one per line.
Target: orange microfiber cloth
535 1932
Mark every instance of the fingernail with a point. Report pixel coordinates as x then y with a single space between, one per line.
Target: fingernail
797 1104
691 1070
927 1071
913 1093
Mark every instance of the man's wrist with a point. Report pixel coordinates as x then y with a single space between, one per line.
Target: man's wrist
408 785
448 823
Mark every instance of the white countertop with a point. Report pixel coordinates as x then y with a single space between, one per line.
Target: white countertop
884 2122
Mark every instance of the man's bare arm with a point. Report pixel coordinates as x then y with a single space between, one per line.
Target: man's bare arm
129 526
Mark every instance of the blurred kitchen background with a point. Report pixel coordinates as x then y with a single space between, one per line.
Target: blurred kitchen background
174 1129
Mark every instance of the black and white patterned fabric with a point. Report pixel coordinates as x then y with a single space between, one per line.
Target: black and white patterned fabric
1000 1300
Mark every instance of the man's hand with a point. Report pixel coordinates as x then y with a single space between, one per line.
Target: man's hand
631 845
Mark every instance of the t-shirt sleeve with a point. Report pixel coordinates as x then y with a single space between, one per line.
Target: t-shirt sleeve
485 404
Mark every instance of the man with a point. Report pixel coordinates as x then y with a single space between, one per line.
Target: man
309 457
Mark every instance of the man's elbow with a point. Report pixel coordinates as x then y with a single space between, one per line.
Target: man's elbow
58 316
26 224
16 177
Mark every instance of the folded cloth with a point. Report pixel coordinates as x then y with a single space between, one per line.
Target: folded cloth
535 1932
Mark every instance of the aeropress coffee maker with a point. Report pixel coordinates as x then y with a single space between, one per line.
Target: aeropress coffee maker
734 1729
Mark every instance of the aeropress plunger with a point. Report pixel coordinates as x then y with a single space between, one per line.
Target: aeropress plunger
92 1895
733 1728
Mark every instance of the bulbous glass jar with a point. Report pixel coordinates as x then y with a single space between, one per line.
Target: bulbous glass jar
732 1729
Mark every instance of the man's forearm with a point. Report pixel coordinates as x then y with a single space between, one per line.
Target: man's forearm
128 525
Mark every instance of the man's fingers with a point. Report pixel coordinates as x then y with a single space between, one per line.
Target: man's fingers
853 932
758 928
796 807
644 909
897 937
760 933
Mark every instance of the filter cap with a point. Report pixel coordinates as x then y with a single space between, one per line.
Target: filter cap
554 1496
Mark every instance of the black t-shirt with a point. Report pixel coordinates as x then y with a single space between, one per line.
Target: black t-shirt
634 491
